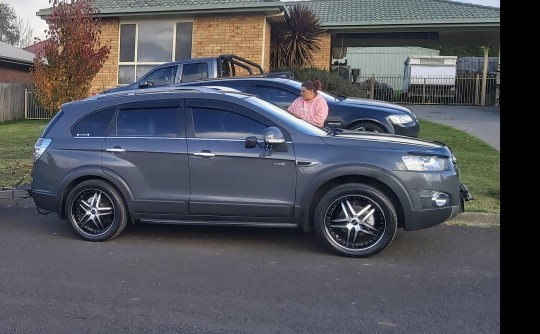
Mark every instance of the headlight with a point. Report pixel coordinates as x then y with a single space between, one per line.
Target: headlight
423 163
400 119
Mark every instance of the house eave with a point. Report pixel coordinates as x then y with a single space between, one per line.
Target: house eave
262 8
16 61
409 24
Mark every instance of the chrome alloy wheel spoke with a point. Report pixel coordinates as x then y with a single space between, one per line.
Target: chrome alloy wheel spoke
93 211
355 223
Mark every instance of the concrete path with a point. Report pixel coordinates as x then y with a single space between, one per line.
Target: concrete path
481 122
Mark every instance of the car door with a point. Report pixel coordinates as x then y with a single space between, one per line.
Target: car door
146 149
228 179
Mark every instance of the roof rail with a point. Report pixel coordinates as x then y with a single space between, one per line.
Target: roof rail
148 91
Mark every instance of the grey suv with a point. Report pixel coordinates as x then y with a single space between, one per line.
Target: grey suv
192 155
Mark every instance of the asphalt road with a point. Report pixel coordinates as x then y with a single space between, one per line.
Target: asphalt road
180 279
481 122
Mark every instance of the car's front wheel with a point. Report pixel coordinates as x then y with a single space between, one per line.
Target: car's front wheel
96 211
355 220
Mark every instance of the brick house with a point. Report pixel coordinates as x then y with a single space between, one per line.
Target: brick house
15 64
145 33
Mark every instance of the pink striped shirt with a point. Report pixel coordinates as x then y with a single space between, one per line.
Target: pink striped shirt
314 111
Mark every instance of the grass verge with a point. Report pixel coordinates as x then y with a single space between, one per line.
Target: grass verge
478 162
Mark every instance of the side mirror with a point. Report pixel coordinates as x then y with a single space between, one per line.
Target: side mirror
146 84
273 135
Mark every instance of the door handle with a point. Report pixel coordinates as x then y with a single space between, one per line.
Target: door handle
115 149
205 154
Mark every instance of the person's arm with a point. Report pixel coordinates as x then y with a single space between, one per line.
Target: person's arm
293 108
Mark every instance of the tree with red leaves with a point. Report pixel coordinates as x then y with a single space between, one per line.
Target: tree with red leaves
73 54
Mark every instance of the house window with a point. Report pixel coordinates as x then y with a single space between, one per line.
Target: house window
146 45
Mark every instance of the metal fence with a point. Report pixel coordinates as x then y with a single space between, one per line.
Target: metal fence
17 100
458 90
31 109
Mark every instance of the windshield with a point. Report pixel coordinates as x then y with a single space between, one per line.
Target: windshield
281 113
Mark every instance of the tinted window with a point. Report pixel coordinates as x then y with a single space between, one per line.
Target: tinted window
194 71
274 94
127 42
184 32
216 123
93 125
162 76
148 122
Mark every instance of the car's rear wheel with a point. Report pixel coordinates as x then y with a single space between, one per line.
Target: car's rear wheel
355 220
96 211
367 126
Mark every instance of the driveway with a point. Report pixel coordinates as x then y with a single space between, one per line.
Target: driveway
481 122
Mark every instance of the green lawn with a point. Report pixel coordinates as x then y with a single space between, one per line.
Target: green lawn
478 162
17 139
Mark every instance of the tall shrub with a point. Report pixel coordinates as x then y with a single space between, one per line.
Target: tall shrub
73 54
293 43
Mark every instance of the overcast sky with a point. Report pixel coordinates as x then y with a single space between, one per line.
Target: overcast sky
27 10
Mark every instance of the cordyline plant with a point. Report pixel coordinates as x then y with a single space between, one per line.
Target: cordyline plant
294 42
73 54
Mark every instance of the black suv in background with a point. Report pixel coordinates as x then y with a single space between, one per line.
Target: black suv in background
192 155
343 112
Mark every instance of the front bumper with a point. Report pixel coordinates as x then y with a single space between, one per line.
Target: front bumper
421 219
409 129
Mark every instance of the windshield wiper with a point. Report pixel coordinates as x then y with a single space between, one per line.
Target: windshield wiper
332 131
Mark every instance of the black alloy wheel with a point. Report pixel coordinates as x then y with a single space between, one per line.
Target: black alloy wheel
355 220
96 211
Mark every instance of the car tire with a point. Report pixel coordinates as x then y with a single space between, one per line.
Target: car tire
355 220
96 211
367 126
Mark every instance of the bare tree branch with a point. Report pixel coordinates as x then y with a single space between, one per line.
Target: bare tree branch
26 33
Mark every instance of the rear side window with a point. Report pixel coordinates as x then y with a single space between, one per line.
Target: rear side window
147 122
194 71
95 124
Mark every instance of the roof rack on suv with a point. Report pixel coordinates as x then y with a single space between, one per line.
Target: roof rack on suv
153 90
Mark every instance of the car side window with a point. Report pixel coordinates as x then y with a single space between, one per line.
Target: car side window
147 122
224 124
95 124
274 94
162 76
194 71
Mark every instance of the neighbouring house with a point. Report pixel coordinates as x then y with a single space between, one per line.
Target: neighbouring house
37 48
146 33
15 64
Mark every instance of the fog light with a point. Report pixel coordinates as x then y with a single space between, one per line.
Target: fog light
440 199
433 199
